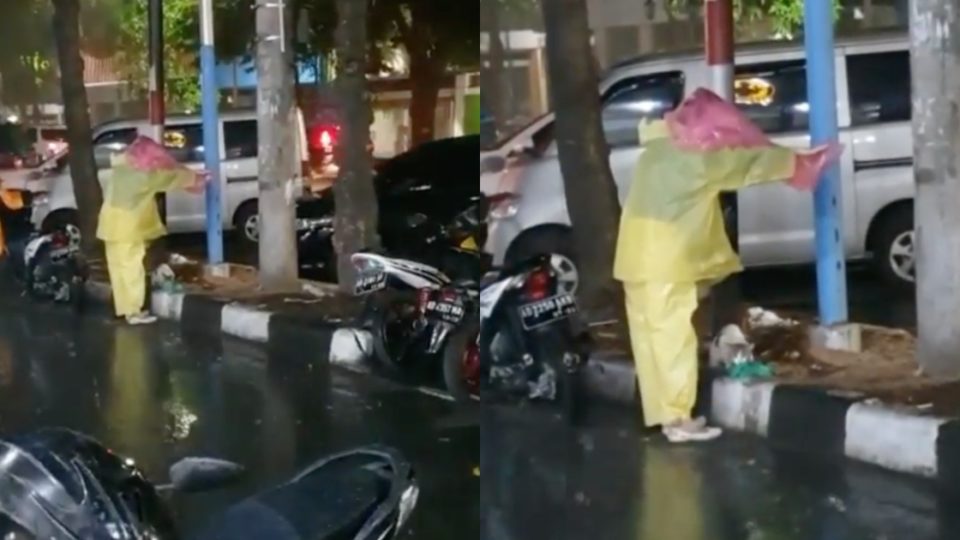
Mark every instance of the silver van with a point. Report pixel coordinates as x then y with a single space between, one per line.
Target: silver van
183 137
775 222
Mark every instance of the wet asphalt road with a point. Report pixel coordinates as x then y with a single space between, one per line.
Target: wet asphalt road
148 393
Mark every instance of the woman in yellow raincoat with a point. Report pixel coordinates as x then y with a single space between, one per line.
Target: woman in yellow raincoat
129 219
672 241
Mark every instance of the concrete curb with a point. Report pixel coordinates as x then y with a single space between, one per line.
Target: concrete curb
300 337
805 419
813 420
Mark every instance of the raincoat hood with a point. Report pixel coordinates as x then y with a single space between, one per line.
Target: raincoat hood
705 122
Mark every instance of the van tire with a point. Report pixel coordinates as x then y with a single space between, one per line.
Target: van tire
247 215
556 240
893 235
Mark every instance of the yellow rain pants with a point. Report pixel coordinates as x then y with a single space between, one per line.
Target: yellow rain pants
128 277
664 347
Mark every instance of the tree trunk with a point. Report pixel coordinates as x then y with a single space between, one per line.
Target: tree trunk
83 168
584 157
277 156
424 95
493 75
936 134
355 221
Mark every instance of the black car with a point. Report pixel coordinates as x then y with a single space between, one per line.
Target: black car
422 188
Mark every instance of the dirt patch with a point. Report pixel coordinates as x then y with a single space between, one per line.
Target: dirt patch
885 370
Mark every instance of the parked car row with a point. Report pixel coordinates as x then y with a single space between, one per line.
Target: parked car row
775 222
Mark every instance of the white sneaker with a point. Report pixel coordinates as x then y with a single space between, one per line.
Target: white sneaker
691 431
141 318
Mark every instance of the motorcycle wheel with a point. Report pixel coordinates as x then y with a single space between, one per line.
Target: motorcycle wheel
391 322
461 363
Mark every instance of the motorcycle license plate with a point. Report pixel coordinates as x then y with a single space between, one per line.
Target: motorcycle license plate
548 310
446 311
370 283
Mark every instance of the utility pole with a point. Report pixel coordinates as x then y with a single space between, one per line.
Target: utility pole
155 78
935 41
822 96
277 155
211 132
719 44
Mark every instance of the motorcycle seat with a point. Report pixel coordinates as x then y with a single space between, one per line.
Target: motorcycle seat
324 505
488 279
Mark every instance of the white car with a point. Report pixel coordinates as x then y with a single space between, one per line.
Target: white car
775 222
183 137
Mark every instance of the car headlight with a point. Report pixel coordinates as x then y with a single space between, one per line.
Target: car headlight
408 501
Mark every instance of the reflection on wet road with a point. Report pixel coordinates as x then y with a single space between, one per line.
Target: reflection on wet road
542 481
149 395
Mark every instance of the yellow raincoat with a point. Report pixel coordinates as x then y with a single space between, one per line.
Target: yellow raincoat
128 220
672 239
13 200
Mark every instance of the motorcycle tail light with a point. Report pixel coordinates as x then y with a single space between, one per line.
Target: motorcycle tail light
448 295
537 286
423 297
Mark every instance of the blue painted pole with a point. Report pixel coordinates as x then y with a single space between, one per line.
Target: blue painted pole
210 103
821 92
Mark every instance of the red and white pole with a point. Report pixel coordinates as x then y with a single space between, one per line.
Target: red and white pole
719 42
155 86
718 32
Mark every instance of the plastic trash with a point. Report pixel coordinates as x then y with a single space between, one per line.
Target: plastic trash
752 369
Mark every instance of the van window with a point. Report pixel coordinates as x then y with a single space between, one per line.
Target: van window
185 143
637 98
240 139
774 95
111 143
879 87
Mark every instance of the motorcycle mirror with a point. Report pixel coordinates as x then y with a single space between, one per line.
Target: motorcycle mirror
197 474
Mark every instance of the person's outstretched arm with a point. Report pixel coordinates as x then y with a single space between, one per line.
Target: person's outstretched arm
735 168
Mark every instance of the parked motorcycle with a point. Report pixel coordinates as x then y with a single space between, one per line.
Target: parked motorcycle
530 343
59 484
50 265
416 312
413 310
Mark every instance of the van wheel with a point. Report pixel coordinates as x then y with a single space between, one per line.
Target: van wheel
893 248
554 241
246 222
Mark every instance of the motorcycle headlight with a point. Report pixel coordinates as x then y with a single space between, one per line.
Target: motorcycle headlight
408 501
364 263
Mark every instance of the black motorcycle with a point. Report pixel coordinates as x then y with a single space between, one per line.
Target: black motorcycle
61 484
413 310
530 343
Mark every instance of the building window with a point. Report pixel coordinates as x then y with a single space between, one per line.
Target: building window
879 87
774 95
637 98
